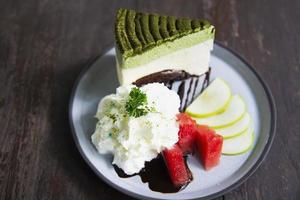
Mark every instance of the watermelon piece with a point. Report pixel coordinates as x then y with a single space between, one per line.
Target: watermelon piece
185 119
186 139
186 134
209 146
176 166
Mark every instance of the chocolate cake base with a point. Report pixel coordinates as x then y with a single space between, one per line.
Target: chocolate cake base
186 85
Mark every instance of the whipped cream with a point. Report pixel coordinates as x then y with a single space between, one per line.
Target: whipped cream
134 140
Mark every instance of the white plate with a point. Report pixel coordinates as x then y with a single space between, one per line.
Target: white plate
99 79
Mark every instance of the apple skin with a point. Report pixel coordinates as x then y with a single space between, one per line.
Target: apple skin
234 112
216 112
216 97
235 129
248 147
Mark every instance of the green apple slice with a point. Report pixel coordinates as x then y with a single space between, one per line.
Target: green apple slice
234 112
235 129
214 99
240 144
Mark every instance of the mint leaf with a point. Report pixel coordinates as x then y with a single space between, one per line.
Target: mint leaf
136 104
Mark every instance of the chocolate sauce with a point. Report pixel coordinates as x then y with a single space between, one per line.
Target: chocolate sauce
164 76
180 93
188 92
194 91
156 175
206 80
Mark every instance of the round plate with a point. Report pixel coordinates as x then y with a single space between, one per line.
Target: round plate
100 79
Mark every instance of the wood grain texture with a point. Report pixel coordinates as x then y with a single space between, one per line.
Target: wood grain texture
44 45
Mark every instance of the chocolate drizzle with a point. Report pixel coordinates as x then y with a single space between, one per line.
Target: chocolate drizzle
156 175
194 91
188 92
165 76
180 92
186 85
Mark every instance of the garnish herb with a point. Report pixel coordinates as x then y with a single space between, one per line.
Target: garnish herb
136 105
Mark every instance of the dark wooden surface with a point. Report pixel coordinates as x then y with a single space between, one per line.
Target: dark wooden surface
44 44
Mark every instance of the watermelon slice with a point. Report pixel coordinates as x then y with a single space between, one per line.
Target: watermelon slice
176 166
185 119
209 146
186 134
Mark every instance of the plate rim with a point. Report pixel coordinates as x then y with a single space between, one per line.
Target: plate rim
261 158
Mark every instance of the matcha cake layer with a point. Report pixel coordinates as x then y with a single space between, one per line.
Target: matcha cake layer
148 43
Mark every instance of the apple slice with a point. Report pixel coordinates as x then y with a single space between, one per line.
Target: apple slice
240 144
235 111
235 129
214 99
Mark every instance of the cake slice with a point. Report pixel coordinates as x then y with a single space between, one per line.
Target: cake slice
166 49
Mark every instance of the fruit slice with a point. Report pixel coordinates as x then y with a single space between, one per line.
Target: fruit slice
186 134
209 146
214 99
239 144
235 129
176 166
235 111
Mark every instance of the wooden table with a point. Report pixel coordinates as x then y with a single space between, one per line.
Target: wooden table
45 44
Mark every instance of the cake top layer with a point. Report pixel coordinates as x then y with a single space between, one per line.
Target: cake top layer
138 32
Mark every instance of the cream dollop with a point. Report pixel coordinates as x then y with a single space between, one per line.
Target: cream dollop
134 140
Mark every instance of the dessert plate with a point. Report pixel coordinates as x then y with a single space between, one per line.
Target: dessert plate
100 79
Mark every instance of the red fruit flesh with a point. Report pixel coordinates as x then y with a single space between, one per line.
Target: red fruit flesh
186 139
209 146
185 119
186 134
177 169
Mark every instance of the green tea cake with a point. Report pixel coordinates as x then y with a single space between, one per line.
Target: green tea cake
149 43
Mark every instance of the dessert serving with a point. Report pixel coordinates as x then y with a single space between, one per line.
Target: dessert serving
167 49
150 43
167 108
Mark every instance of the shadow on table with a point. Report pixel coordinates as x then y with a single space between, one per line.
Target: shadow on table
73 173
